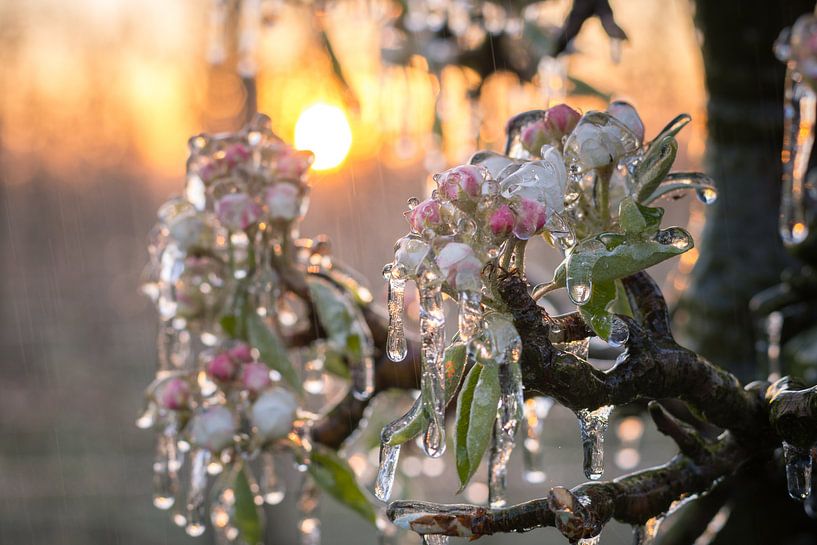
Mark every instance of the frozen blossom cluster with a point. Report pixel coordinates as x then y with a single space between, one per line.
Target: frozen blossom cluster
241 370
586 184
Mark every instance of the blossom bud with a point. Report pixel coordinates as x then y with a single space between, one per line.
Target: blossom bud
531 218
292 165
462 182
562 119
235 154
273 412
238 211
174 394
221 367
241 353
502 220
460 266
283 201
425 215
627 114
213 428
255 376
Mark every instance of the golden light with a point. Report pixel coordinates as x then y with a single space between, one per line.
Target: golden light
324 130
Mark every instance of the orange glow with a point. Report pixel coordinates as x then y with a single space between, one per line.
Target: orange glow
324 130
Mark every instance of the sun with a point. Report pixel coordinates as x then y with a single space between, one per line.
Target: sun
324 130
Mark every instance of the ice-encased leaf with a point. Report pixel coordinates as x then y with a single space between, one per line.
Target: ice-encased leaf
335 476
654 166
272 350
476 413
248 518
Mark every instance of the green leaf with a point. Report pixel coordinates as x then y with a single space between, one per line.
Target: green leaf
476 413
595 312
335 364
335 476
229 324
247 519
454 369
272 350
655 166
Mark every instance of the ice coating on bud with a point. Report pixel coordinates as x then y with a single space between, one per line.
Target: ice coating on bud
425 215
502 221
462 182
531 217
213 428
294 164
221 367
627 114
238 211
283 202
599 140
802 47
273 412
174 394
241 353
460 266
544 181
255 376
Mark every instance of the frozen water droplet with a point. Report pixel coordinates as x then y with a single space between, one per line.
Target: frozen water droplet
147 419
619 332
579 271
593 425
435 539
165 467
470 315
272 488
707 195
798 471
396 347
413 202
674 236
580 292
798 139
389 455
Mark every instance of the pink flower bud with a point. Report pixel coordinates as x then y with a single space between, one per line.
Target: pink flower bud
502 221
293 164
534 135
462 182
238 211
460 266
235 154
283 201
627 114
255 376
221 367
174 394
531 218
562 118
424 215
241 353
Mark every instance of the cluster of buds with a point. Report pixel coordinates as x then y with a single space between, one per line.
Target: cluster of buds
583 182
241 371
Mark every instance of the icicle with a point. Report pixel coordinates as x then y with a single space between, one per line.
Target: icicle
196 507
309 525
165 471
470 315
435 539
645 534
249 26
396 347
536 410
222 514
592 425
589 540
389 454
579 271
561 231
216 48
798 471
507 422
798 138
432 332
272 488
